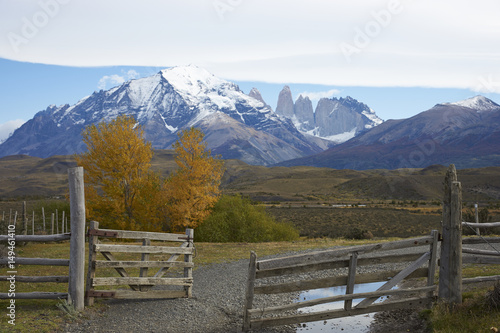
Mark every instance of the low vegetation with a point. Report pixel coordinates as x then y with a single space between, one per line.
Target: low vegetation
235 219
479 312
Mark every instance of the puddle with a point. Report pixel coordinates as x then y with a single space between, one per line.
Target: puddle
360 323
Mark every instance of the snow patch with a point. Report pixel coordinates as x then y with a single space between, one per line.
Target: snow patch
479 103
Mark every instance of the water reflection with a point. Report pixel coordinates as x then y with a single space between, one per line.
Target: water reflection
360 323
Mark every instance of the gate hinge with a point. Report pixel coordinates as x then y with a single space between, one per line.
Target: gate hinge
103 294
102 233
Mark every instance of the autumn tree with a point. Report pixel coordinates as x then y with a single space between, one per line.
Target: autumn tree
194 188
120 190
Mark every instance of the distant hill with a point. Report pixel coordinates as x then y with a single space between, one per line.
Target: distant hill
25 176
465 133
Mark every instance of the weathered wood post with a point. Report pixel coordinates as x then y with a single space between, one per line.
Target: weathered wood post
43 217
450 271
252 269
25 220
188 271
93 239
77 243
476 219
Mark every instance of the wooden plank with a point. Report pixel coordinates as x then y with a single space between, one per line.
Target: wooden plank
332 314
480 279
143 271
38 261
480 260
337 263
338 298
38 279
480 240
327 255
332 282
188 258
151 294
482 225
141 281
138 264
35 295
37 238
119 270
398 278
142 249
252 266
351 275
172 258
432 260
89 301
159 236
481 252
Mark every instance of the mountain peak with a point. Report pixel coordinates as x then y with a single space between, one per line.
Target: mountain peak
479 103
192 79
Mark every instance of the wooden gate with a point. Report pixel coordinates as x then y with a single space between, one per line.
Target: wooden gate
261 272
139 286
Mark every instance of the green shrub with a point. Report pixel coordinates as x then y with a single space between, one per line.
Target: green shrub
357 233
235 219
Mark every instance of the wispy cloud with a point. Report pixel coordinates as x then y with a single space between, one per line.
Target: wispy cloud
315 96
6 129
109 81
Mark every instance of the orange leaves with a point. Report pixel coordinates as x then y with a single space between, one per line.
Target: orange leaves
123 193
116 167
194 188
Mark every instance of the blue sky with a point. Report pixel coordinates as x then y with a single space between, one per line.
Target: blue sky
400 57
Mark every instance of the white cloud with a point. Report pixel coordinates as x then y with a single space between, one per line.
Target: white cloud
314 96
109 81
6 129
405 43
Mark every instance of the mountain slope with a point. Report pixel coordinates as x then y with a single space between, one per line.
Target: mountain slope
171 100
465 133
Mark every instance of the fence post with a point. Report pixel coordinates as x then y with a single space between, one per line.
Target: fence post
77 243
252 268
450 272
89 301
188 271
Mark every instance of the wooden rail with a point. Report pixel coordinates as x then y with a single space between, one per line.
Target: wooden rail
353 257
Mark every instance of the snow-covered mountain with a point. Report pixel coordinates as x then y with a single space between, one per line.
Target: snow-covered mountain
465 133
335 120
171 100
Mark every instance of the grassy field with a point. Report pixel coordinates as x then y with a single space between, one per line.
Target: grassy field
49 315
337 222
32 177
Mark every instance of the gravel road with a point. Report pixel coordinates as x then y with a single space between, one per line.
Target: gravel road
216 306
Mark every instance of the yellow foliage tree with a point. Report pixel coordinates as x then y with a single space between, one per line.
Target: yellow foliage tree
194 188
120 186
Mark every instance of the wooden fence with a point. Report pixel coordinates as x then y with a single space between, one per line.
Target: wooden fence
453 254
140 286
36 223
261 271
76 262
450 271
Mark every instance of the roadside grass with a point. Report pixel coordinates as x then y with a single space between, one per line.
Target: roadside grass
473 315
